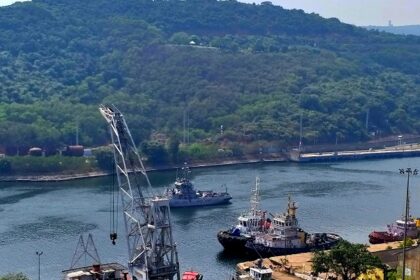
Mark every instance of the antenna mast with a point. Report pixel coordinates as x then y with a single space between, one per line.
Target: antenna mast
255 197
151 249
85 249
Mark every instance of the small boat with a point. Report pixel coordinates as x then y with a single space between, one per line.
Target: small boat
192 275
249 224
256 272
395 232
260 273
286 237
184 195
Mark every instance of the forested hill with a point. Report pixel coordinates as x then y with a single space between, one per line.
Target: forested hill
255 69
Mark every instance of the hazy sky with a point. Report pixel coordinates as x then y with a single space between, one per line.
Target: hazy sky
358 12
8 2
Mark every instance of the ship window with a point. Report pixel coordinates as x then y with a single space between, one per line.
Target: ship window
244 224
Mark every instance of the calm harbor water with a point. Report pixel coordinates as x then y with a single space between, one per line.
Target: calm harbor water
348 198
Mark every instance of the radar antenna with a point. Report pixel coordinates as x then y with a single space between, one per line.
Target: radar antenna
151 249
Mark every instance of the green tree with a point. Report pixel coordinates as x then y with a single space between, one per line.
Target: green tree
346 260
14 276
5 166
180 38
105 158
173 148
408 243
397 275
155 152
59 59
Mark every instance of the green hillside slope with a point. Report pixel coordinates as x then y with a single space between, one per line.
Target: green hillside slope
255 69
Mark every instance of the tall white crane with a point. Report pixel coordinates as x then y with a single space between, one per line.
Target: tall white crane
151 249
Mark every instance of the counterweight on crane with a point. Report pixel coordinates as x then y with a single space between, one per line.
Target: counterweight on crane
151 249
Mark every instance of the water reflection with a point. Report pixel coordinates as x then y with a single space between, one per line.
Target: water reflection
48 228
22 194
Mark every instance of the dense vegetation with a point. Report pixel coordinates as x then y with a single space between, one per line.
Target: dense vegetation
27 165
255 69
346 260
14 276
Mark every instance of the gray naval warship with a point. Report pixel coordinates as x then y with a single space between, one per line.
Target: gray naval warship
183 193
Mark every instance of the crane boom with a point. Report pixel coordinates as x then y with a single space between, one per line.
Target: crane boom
151 249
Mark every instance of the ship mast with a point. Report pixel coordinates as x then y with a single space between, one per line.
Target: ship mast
151 249
291 208
255 197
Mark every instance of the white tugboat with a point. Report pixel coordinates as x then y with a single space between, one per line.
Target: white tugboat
286 237
184 195
249 224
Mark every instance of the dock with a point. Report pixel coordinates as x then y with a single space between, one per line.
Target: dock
411 150
299 266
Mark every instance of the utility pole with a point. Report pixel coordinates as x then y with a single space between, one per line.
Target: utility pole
300 133
367 120
39 263
184 125
409 172
188 127
77 132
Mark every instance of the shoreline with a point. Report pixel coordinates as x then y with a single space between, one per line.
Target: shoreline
96 174
293 157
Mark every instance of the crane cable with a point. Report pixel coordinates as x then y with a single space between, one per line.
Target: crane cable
113 216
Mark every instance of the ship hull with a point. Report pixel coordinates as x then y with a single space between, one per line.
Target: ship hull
197 202
232 243
259 250
378 237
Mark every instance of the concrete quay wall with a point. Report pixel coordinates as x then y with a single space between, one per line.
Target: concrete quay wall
412 150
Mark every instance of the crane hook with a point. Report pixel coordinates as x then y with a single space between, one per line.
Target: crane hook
113 237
